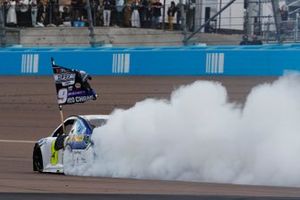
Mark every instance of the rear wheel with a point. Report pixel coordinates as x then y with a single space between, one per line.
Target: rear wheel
37 159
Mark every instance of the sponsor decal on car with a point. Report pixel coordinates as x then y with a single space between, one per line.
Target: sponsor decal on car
54 154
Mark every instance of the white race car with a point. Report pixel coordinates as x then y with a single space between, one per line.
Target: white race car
70 146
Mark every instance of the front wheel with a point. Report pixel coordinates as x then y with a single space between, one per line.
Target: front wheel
37 159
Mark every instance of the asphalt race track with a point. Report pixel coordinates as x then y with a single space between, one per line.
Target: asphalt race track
29 111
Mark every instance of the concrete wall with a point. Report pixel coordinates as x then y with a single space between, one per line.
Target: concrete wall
69 36
12 37
217 39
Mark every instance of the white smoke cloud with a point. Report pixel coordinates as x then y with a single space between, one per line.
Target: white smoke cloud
198 135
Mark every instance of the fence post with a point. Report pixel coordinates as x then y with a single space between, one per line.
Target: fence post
91 26
164 15
268 29
277 19
296 26
2 27
183 18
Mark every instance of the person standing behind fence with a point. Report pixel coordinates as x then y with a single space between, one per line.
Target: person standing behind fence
76 6
135 16
284 17
156 13
11 18
41 9
106 12
171 12
127 15
284 13
66 16
143 11
119 12
178 16
24 14
34 10
51 13
94 8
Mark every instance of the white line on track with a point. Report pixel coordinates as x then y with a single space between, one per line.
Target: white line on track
17 141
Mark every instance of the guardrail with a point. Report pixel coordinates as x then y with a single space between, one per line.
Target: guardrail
260 60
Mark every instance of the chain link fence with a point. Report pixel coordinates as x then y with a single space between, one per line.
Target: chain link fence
181 16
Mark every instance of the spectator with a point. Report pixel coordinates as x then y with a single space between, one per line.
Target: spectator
34 11
127 15
11 18
284 13
94 9
135 16
178 16
156 13
24 15
51 13
256 41
40 13
106 12
190 17
119 12
284 17
76 6
66 16
83 10
145 13
245 40
171 13
113 14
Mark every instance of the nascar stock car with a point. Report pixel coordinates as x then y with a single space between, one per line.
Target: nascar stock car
69 143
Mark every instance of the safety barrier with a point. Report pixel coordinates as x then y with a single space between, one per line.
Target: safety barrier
263 60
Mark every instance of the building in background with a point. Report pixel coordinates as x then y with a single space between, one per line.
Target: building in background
230 20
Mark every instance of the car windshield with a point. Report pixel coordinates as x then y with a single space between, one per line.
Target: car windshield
78 128
97 122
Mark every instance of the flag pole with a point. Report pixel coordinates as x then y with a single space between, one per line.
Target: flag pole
62 118
59 105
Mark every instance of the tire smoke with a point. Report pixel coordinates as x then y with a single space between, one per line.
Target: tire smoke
198 135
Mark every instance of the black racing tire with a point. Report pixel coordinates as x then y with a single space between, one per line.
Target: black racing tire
37 159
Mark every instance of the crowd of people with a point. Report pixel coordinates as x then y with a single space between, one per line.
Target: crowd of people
121 13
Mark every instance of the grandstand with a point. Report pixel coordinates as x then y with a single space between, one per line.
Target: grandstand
82 22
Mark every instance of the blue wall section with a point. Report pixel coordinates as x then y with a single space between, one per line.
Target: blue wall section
265 60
